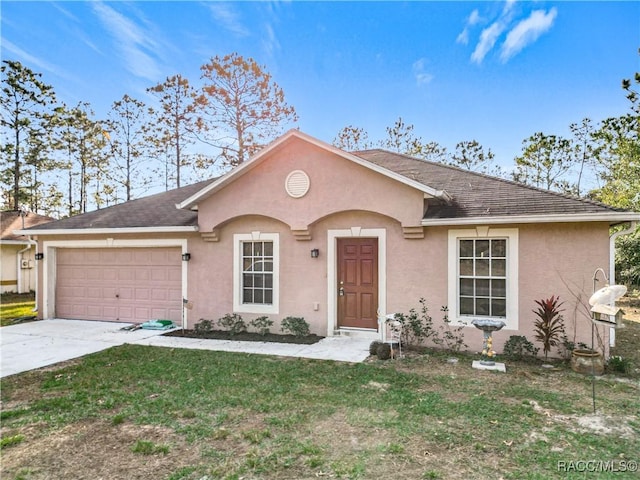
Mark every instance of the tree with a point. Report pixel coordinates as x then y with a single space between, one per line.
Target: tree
245 108
125 131
470 155
81 140
176 120
584 148
401 139
544 161
25 98
352 138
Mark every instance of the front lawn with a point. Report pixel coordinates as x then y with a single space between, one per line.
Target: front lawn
143 412
14 305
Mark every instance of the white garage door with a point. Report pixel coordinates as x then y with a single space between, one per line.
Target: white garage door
119 284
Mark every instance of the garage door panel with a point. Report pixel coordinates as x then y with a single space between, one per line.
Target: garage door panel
121 284
94 292
127 274
126 293
142 294
158 294
109 274
142 275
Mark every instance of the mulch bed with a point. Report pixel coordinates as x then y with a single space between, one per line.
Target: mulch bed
245 336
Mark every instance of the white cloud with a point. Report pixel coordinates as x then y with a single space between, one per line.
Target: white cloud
136 46
472 20
418 68
33 61
270 42
488 39
228 17
527 31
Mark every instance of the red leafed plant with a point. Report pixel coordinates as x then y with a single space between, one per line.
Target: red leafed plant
549 324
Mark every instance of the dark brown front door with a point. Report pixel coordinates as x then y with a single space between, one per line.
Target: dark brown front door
358 282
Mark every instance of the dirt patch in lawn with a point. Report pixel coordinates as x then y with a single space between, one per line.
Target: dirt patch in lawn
245 336
97 450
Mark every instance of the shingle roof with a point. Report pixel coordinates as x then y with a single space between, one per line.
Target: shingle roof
473 195
478 195
13 220
157 210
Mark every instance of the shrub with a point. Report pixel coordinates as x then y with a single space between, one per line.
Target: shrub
373 348
233 323
619 364
203 326
567 346
451 337
518 347
549 326
261 324
296 326
416 327
384 351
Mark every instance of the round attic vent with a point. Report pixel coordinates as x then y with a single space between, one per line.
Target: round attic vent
297 184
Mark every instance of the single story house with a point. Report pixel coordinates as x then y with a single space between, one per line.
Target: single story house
17 263
305 229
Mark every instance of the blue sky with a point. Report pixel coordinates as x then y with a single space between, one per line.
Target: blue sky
496 72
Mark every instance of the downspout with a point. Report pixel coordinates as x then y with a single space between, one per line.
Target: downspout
612 267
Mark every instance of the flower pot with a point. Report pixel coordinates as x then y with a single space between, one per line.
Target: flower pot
587 362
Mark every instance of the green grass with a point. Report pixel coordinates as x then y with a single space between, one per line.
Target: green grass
13 305
262 417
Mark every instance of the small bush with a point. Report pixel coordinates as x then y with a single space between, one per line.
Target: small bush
518 347
296 326
373 348
233 323
203 326
618 364
261 324
452 338
384 351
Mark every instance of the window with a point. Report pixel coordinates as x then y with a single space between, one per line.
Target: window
255 272
482 271
483 274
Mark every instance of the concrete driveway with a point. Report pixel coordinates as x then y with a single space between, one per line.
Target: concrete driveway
38 344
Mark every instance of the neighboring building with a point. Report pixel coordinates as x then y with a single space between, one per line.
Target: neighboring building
17 271
305 229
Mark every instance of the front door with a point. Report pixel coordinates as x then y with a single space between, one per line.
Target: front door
358 282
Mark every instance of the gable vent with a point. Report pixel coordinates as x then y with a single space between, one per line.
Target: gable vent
297 184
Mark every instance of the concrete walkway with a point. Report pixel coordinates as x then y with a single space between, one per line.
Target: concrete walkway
38 344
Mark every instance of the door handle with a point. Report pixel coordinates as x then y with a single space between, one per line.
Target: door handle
341 292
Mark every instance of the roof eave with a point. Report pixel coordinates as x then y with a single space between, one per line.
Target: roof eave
103 231
611 218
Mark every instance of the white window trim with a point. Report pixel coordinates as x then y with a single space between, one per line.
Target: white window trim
332 270
238 306
511 234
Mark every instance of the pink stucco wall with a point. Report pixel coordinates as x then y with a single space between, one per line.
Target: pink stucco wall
336 184
554 259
